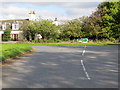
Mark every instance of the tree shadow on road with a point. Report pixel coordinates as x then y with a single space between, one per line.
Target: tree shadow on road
62 69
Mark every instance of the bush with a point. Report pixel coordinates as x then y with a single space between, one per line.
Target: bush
112 39
6 35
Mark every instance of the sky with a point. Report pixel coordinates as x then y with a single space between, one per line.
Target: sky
47 10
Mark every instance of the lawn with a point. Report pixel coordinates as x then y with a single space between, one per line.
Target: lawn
12 50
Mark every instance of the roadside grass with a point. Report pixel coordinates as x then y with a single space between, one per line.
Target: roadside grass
10 50
99 43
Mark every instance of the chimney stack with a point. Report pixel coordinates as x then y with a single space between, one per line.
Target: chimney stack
32 16
55 19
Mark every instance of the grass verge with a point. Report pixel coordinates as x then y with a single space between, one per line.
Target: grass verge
11 50
74 43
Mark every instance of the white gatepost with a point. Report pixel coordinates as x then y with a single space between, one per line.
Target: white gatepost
39 36
0 37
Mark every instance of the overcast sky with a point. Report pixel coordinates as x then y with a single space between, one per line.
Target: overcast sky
47 10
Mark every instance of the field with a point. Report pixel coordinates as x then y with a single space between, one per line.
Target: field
12 50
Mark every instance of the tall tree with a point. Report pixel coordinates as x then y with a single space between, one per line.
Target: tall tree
111 22
104 23
92 25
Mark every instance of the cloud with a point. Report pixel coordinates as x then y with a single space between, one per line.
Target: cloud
14 11
79 4
66 4
52 0
61 10
75 8
81 11
11 12
47 13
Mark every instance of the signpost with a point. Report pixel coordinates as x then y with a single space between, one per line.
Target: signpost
83 40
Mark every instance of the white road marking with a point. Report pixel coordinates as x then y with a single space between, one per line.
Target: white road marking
83 52
85 70
84 65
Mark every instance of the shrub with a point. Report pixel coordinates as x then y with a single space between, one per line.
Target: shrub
6 35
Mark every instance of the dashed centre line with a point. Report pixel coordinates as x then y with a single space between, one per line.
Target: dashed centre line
84 69
83 52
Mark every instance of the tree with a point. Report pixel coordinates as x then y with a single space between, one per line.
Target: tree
26 32
47 29
104 23
92 26
71 29
30 30
44 27
6 35
33 29
111 22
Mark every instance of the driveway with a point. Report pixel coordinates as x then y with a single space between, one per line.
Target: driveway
64 67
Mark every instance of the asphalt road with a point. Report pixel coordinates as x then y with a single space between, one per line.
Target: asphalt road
64 67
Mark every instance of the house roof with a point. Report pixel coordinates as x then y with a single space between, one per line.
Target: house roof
14 20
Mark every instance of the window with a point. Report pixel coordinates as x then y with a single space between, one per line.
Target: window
3 26
15 26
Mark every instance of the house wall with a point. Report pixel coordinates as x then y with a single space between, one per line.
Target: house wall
1 32
13 34
16 32
14 26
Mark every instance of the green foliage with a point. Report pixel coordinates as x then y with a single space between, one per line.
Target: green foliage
47 29
6 36
104 23
111 19
44 27
71 30
29 30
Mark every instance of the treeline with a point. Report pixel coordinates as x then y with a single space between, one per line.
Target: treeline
103 24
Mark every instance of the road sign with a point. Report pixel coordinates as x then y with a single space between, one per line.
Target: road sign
83 40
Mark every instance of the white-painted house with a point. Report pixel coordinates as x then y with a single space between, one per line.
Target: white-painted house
15 26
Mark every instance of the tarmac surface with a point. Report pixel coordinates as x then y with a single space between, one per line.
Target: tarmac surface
64 67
